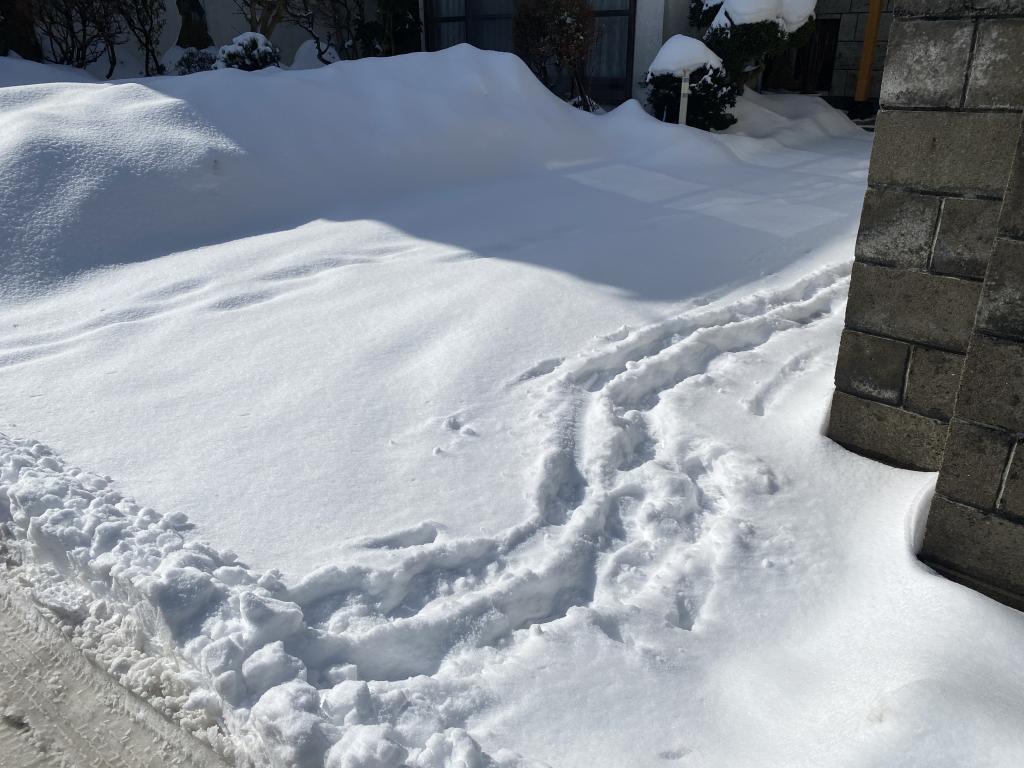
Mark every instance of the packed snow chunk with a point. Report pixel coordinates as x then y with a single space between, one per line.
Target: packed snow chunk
452 749
682 54
287 720
348 703
367 746
269 619
33 494
67 600
56 532
222 655
339 673
182 595
271 666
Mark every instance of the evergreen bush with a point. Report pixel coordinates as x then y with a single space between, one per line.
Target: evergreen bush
711 96
249 51
195 60
744 48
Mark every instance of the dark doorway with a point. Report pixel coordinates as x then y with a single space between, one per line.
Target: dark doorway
807 69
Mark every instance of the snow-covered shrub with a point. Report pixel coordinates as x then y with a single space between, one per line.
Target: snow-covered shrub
249 51
711 97
195 60
554 38
711 93
745 35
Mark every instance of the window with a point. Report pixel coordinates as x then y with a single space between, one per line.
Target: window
488 24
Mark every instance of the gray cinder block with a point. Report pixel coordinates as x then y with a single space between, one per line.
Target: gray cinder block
966 233
979 545
1012 501
992 388
872 367
973 464
897 228
880 430
927 61
948 152
1002 300
932 382
912 306
997 70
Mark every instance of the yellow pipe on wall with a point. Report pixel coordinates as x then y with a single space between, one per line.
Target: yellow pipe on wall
867 54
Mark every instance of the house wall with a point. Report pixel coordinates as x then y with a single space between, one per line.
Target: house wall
931 363
648 37
853 18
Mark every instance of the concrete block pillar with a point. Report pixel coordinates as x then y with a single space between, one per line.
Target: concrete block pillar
944 144
975 531
931 365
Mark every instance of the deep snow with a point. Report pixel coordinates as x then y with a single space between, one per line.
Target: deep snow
524 403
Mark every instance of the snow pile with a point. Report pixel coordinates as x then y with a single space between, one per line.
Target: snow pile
17 71
682 54
306 58
511 413
319 143
789 14
140 597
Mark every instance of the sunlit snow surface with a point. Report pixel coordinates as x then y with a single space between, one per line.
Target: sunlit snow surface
525 404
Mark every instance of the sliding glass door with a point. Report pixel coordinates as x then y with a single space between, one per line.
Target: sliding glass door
488 24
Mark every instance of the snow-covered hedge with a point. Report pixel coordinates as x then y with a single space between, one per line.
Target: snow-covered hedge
711 92
744 33
249 51
194 60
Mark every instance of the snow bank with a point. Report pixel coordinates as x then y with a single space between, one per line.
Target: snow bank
305 56
682 54
265 151
17 71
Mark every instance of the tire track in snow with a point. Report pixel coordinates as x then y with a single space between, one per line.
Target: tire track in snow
57 709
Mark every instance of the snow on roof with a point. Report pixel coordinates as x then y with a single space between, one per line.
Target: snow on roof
790 14
682 54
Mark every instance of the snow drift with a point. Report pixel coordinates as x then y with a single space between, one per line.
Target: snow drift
229 154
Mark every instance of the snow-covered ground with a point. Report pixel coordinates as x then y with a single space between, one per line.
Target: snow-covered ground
512 412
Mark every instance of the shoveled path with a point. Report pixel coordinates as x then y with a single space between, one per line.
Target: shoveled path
57 709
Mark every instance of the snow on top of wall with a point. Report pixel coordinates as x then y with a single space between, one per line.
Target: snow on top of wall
790 14
682 54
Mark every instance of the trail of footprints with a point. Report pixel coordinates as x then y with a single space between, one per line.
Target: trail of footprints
622 517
